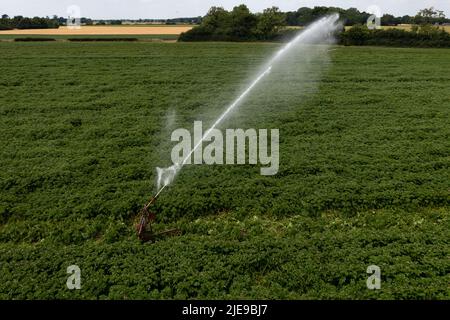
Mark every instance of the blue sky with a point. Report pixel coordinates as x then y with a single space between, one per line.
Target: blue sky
108 9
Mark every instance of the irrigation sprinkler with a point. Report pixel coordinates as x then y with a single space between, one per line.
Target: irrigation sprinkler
145 226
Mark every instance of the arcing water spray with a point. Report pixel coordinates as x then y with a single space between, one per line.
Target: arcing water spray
316 33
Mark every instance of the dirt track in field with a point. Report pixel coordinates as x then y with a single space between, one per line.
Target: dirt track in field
103 30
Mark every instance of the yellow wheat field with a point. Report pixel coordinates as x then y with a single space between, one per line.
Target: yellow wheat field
103 30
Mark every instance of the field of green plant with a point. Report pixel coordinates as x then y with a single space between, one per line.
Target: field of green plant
363 180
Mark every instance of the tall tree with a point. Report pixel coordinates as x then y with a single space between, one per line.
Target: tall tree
243 22
270 22
429 15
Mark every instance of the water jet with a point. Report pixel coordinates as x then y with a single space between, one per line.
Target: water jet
319 31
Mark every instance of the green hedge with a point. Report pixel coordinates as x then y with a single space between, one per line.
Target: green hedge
200 34
33 39
424 36
101 39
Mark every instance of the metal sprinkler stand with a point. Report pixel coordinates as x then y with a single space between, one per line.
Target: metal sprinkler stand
144 228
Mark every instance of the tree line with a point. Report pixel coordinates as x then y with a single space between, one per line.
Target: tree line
20 22
240 24
353 16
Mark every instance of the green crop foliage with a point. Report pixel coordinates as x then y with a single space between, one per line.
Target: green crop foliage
364 175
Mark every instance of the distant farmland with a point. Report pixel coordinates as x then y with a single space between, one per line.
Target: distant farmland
104 30
406 27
